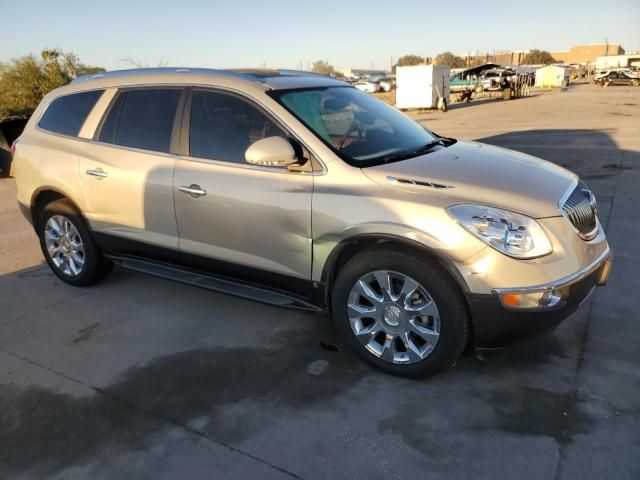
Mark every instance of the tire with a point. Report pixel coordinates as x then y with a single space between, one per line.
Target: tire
94 266
452 323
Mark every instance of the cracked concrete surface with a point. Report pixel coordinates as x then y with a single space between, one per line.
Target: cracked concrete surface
139 377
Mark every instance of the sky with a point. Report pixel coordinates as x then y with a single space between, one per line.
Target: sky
292 34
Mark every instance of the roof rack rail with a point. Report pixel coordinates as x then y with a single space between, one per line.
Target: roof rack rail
257 75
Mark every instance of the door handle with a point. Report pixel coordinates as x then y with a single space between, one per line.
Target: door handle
98 172
194 190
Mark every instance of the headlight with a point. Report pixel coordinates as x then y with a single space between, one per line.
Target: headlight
508 232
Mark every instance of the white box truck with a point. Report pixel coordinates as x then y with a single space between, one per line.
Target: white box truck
421 86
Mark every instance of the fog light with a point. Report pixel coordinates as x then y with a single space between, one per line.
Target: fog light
543 299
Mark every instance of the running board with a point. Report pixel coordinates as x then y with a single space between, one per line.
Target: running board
215 283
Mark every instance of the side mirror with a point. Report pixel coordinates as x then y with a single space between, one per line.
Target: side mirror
271 152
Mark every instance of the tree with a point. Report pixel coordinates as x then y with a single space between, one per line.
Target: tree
323 67
539 57
25 80
408 60
476 61
137 63
448 58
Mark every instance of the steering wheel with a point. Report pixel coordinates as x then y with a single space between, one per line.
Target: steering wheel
354 127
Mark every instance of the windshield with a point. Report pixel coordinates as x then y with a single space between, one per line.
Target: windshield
362 130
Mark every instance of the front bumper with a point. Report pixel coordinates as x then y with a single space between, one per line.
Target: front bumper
496 326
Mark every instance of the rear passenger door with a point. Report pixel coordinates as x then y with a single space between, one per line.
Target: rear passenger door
127 175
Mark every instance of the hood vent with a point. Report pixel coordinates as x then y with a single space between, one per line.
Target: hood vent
418 183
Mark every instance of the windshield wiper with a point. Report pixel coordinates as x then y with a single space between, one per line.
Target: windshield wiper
444 141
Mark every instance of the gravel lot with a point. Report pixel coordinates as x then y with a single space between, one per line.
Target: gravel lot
143 378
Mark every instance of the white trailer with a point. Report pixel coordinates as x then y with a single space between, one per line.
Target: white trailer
422 86
552 76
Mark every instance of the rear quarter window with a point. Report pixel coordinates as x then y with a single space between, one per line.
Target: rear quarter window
66 114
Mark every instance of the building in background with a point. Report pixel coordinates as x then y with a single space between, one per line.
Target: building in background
504 57
578 55
631 59
511 58
587 54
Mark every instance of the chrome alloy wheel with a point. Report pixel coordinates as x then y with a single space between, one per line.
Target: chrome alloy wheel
64 245
393 317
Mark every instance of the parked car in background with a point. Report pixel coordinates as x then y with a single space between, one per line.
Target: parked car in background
299 190
5 156
367 86
494 79
387 84
630 71
10 129
618 78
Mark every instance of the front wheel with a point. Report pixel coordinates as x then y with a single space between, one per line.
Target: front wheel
68 247
400 312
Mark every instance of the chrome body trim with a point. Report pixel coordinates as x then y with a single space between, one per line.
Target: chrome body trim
98 172
193 190
561 203
418 183
563 282
568 193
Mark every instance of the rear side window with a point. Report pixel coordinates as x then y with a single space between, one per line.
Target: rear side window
66 114
142 119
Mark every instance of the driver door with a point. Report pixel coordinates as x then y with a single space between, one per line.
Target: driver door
247 221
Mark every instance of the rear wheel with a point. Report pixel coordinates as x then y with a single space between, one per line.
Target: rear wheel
400 312
68 247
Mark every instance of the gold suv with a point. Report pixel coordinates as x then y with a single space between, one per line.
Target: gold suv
299 190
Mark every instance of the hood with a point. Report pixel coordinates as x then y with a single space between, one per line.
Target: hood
483 174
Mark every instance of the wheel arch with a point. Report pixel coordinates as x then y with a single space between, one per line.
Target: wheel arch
350 246
45 195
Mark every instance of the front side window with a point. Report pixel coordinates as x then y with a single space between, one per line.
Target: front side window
361 129
142 119
67 114
223 126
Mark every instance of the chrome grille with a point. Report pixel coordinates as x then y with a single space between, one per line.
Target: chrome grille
580 209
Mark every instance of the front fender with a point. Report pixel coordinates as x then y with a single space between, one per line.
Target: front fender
445 241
